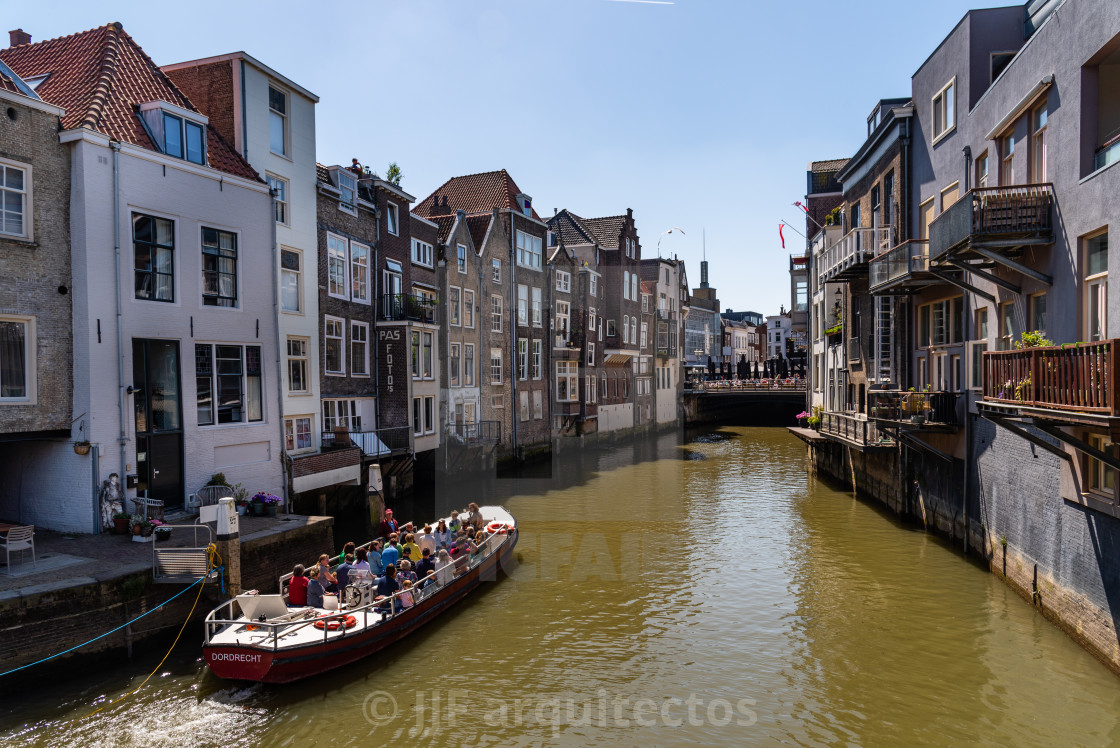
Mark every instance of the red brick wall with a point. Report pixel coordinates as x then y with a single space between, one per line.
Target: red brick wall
210 88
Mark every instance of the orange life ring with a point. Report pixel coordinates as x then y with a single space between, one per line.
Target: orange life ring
494 527
334 624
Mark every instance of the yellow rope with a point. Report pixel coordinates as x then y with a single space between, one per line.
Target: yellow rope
214 561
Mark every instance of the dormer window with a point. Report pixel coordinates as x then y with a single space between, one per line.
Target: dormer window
176 131
873 120
525 203
348 187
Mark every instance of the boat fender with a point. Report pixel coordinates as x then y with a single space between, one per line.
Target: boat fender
334 624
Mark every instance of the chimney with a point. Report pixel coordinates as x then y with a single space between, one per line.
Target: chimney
18 37
445 202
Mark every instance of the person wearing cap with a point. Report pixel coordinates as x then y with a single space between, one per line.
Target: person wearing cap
388 525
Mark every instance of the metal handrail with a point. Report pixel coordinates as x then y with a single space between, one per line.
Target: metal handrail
910 257
858 246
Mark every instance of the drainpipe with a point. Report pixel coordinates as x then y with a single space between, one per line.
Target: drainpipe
279 342
966 323
551 276
514 412
377 300
122 441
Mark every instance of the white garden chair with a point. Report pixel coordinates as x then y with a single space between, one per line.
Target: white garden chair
19 539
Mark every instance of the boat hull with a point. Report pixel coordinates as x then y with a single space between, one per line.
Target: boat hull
284 665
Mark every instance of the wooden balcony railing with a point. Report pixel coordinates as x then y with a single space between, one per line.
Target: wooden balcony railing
993 213
854 427
856 247
900 262
1083 377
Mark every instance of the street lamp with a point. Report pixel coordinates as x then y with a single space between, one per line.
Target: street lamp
663 233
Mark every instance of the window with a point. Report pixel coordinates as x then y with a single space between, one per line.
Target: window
1006 325
277 121
1096 287
626 328
17 360
645 302
944 111
455 306
634 287
977 350
567 381
523 405
593 286
522 305
590 354
341 415
1007 163
563 315
392 219
219 268
528 250
297 434
290 285
348 187
496 270
538 405
999 61
563 281
633 331
427 369
468 364
461 258
522 358
454 368
15 188
334 361
626 284
228 384
359 349
592 321
430 414
359 273
153 242
1036 312
421 253
336 266
612 328
496 313
298 379
645 334
417 416
982 170
279 189
536 359
1038 144
495 366
1101 478
590 390
926 213
949 195
414 354
468 307
183 139
536 307
923 326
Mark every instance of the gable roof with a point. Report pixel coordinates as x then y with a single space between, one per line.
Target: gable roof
8 84
100 77
606 230
478 226
473 194
571 228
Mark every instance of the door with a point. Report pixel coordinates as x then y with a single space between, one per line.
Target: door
159 420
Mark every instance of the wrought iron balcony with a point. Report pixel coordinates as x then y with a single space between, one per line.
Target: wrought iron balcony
378 443
1079 378
902 269
849 256
482 432
928 409
407 307
855 429
994 221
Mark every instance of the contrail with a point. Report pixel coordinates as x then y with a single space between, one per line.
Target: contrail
643 2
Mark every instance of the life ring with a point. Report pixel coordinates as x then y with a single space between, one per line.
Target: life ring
334 624
499 528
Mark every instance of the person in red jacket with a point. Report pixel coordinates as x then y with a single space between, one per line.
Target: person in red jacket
297 587
388 525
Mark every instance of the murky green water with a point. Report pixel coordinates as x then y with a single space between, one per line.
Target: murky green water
706 593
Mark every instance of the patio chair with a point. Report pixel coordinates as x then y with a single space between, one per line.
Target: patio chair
19 539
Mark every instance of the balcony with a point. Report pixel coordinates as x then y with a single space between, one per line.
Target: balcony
848 257
378 443
902 270
407 307
935 411
1079 379
854 429
482 432
992 223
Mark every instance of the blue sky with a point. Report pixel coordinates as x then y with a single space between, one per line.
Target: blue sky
700 113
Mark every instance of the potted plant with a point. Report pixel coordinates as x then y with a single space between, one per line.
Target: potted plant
266 503
161 530
120 523
81 448
134 523
141 529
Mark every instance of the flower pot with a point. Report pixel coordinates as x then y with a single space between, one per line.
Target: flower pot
163 533
120 525
143 538
147 531
136 529
270 510
241 509
81 448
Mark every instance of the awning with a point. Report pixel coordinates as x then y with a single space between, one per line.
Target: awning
1024 103
616 359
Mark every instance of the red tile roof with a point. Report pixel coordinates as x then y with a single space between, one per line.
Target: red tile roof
478 226
474 194
100 77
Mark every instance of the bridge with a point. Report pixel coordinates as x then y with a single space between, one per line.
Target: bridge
744 403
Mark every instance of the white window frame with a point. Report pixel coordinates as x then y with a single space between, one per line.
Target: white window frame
427 355
26 197
535 306
495 313
626 329
288 272
454 364
461 257
626 284
455 306
590 354
302 360
344 258
468 308
523 359
392 218
341 338
284 119
30 358
468 365
280 212
536 361
496 270
563 325
429 414
593 286
496 369
568 373
422 253
364 342
291 431
948 111
522 305
591 389
350 189
418 416
563 281
528 250
364 269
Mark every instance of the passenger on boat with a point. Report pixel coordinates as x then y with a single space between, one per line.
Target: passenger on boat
376 565
297 587
406 574
462 553
443 535
444 567
426 566
406 594
361 568
314 588
474 517
342 573
388 584
412 548
390 554
348 548
388 525
427 540
326 578
454 525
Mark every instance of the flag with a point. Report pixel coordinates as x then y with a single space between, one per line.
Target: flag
780 226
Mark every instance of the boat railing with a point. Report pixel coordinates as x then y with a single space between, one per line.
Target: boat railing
386 608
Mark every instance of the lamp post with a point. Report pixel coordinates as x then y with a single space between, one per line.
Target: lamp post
663 233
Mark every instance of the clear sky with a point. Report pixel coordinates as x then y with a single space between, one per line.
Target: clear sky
700 114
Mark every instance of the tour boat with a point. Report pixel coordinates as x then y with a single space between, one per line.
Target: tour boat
260 638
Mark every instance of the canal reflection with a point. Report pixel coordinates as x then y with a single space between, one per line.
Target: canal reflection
672 592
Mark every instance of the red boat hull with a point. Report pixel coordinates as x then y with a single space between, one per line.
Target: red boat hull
285 665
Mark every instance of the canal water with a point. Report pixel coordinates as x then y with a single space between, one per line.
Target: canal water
700 591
